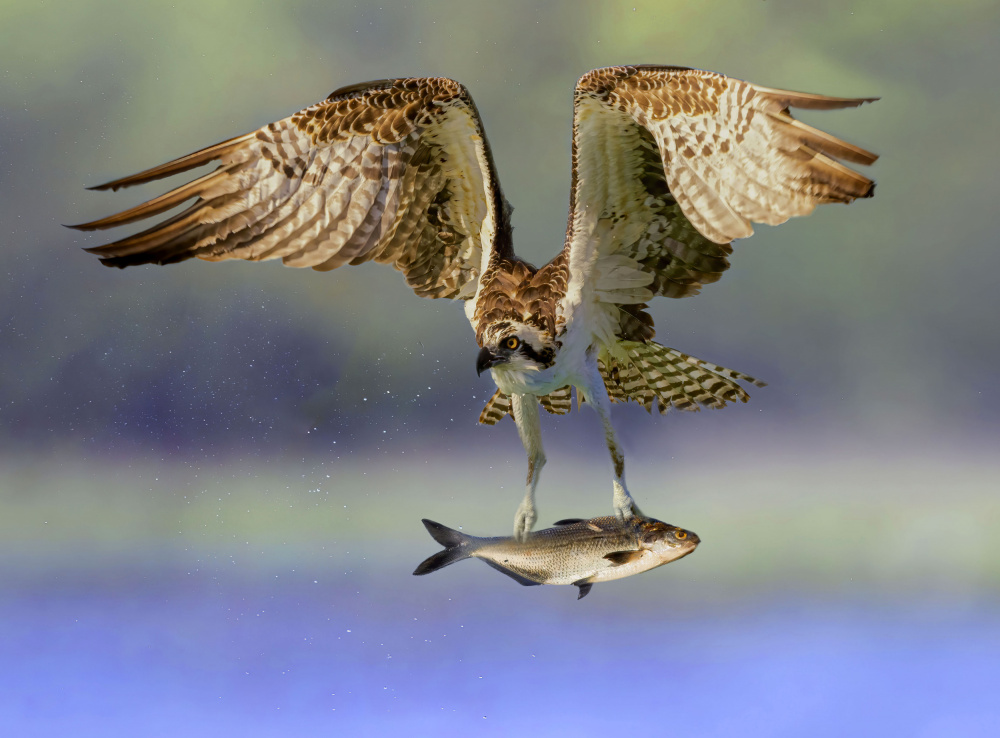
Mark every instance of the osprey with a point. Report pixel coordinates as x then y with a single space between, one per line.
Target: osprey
670 165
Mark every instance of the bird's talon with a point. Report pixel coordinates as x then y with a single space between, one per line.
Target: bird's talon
628 511
524 521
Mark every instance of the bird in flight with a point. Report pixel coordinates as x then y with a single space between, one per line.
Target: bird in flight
670 165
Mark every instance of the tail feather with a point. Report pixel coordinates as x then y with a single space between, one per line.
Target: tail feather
655 376
457 547
495 410
659 377
558 402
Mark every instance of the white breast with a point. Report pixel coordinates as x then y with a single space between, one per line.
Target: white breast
514 380
570 368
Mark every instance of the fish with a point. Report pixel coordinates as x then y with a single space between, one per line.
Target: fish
576 551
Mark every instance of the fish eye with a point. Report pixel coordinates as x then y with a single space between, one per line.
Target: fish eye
512 343
680 535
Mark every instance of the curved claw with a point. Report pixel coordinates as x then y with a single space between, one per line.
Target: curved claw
524 521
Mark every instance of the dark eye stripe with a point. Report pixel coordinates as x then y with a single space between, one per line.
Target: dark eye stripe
545 357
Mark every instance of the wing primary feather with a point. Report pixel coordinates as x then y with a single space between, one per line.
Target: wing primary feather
823 141
809 101
147 243
134 245
845 182
204 156
162 203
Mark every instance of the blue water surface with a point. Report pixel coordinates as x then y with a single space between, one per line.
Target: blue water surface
374 651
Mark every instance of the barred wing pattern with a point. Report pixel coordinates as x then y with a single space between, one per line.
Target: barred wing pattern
672 164
398 171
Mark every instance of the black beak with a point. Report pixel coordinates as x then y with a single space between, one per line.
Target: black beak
485 360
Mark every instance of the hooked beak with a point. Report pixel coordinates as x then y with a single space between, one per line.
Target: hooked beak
485 360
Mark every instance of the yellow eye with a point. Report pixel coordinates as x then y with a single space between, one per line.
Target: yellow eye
680 535
512 343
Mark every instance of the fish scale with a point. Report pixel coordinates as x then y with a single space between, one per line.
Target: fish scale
560 555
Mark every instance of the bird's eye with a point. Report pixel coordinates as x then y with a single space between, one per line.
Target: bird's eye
680 535
512 343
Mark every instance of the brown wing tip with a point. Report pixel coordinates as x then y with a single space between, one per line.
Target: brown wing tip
114 185
845 102
94 225
116 262
121 262
811 101
118 254
183 164
147 175
108 261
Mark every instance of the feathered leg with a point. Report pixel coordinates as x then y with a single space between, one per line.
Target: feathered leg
597 396
529 428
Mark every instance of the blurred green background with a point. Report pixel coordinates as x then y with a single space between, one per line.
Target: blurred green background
184 449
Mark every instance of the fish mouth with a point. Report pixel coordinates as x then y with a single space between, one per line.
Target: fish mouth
688 546
681 547
487 360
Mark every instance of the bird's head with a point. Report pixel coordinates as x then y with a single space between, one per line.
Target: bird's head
514 346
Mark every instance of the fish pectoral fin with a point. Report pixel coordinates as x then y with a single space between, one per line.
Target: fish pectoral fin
584 586
568 521
618 558
512 574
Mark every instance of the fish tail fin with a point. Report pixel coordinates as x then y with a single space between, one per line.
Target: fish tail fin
456 547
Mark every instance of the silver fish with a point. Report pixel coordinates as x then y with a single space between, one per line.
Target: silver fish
576 551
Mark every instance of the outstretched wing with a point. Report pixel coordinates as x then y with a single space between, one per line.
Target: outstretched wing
398 171
672 164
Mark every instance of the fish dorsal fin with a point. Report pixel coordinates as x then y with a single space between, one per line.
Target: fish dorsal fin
622 557
584 586
568 521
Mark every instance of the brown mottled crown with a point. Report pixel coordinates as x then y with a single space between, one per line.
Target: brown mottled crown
514 290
